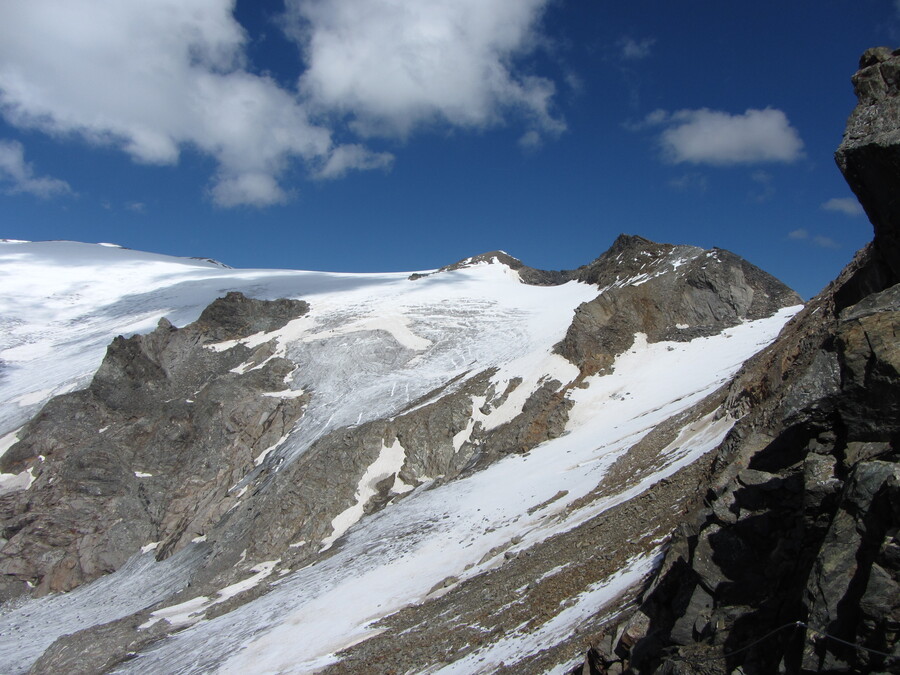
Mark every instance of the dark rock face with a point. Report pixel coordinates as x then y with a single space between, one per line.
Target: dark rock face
149 451
800 516
869 154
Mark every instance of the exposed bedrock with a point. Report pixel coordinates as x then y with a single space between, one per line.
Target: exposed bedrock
799 519
148 452
668 293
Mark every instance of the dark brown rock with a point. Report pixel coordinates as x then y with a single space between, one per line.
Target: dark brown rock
806 522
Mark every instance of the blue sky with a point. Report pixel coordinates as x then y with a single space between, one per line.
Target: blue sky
388 135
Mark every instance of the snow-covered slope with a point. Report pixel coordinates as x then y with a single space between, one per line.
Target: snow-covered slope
62 302
374 353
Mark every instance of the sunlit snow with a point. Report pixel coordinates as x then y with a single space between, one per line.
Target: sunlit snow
371 345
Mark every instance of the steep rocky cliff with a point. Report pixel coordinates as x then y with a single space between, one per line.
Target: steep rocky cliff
791 562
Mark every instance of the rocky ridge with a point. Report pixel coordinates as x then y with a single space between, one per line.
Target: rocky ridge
149 452
176 448
791 563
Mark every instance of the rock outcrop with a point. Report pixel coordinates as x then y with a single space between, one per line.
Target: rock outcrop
791 562
149 452
668 293
869 158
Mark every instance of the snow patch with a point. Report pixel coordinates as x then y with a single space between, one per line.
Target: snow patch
193 610
287 393
260 458
11 482
390 460
9 440
33 397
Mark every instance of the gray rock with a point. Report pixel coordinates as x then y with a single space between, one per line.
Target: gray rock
149 452
668 293
869 154
821 543
697 612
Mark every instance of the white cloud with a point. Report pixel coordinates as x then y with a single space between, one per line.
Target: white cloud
634 50
846 205
657 117
713 137
817 239
249 188
17 176
153 77
392 65
347 157
530 141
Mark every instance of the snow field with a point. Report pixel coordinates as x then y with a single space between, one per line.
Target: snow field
371 345
393 558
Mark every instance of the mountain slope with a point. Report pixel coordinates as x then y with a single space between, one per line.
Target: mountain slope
791 562
275 479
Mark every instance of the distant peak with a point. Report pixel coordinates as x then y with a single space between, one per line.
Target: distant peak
527 275
628 240
491 257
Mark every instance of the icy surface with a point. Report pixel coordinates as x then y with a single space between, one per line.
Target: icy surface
396 556
371 346
27 629
61 303
373 342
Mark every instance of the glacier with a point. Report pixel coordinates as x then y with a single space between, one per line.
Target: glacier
373 346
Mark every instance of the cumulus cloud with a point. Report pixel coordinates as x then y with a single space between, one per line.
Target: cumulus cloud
634 50
153 76
846 205
718 138
17 176
392 65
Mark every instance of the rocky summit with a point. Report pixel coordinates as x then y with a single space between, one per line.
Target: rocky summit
658 462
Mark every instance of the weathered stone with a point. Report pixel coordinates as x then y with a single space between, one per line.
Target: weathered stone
821 545
707 292
860 451
869 154
148 451
761 479
704 562
697 611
